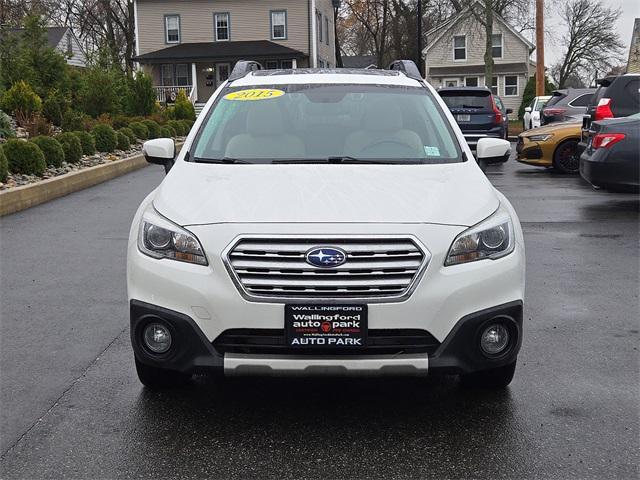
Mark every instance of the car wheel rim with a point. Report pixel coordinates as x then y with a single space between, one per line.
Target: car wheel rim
568 159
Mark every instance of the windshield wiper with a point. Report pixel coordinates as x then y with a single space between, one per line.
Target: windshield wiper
346 160
225 160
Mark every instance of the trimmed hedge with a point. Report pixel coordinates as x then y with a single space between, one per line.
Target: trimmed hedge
177 126
106 138
71 146
153 128
4 166
72 120
24 157
87 142
52 150
140 130
167 132
130 135
122 141
186 124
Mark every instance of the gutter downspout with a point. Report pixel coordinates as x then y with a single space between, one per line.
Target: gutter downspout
314 35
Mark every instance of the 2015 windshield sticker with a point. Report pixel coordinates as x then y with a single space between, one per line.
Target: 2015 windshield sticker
431 151
254 94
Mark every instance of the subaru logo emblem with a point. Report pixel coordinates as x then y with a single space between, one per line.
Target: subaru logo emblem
326 257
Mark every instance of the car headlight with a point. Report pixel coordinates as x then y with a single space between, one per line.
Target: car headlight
540 138
490 239
160 238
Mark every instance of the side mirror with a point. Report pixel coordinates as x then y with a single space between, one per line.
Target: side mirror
491 150
160 151
509 110
527 109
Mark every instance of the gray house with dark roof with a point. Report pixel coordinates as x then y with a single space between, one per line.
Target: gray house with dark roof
454 56
64 40
193 45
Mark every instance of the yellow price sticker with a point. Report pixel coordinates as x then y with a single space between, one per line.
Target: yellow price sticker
254 94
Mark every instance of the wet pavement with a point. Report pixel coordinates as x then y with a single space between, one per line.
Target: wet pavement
72 406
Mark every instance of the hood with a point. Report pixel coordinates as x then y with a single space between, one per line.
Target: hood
451 194
553 127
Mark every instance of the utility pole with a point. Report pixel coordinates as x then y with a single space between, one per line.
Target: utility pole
419 63
540 74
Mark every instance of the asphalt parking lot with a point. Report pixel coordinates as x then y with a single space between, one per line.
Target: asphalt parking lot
72 406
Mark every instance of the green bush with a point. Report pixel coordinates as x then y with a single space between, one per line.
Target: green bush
106 138
140 130
122 141
101 91
5 126
141 98
54 107
152 127
4 167
120 121
183 108
21 100
52 150
72 121
24 157
130 135
177 126
87 142
167 132
186 124
71 146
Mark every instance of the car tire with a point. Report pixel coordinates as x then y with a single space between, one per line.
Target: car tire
495 378
160 378
565 158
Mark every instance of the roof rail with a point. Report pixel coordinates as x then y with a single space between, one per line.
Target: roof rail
408 67
242 68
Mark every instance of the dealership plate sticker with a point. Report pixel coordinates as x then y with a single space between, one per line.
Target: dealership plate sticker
326 326
254 94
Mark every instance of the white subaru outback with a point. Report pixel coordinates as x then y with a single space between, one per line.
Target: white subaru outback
325 222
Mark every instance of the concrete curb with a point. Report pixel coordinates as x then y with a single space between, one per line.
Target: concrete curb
27 196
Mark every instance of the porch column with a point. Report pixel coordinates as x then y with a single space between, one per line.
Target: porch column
294 63
194 80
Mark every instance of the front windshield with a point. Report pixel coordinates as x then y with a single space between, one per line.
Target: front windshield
323 122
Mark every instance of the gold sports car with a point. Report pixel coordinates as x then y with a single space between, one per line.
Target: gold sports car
553 145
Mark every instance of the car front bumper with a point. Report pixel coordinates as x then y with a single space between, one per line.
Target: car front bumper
531 153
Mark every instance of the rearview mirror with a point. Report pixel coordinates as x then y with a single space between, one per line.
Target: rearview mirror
493 150
160 151
527 109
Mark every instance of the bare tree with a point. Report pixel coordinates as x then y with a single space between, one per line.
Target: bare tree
373 17
591 42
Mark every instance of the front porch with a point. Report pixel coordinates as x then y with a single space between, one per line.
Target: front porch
200 68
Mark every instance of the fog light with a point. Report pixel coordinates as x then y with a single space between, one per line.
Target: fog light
495 339
157 338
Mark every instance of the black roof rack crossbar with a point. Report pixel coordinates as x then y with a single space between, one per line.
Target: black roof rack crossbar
408 67
242 68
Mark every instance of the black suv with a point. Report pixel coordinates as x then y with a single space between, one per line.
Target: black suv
616 96
566 105
478 112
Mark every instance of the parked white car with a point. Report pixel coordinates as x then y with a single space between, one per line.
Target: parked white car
531 117
323 222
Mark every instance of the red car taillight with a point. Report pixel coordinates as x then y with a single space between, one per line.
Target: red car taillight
603 109
497 112
554 112
605 140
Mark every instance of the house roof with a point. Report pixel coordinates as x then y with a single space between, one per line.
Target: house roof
477 69
54 34
463 14
359 61
247 49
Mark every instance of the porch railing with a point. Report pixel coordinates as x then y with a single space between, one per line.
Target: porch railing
169 93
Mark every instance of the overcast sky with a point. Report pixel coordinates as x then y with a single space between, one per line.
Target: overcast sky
553 51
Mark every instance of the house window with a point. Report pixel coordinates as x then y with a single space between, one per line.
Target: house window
279 25
287 64
319 26
271 65
451 82
471 81
172 28
494 85
459 47
496 45
326 30
167 75
182 74
511 86
222 27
